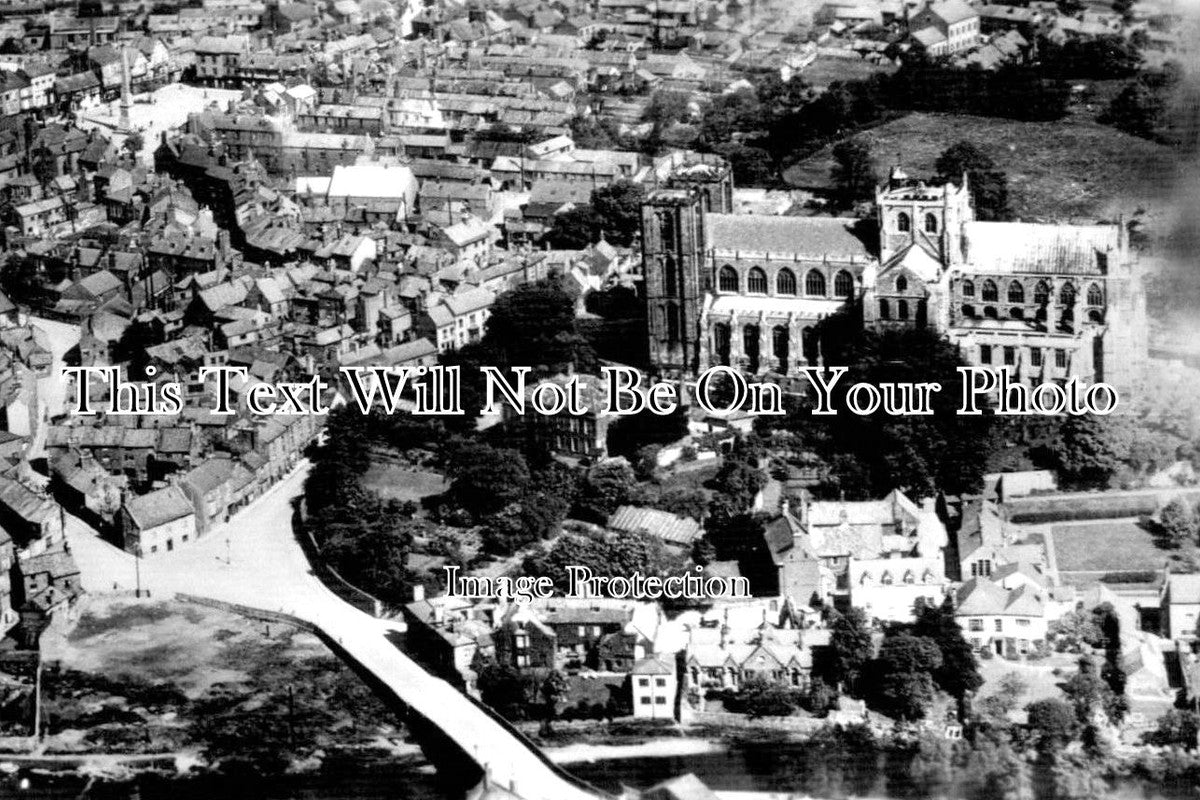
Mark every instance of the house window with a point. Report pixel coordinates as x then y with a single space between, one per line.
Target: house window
975 625
1035 356
999 625
660 681
901 309
660 701
581 630
1010 356
595 630
1060 359
523 660
645 701
643 682
985 354
885 310
1023 623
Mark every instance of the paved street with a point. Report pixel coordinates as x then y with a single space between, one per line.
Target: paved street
254 561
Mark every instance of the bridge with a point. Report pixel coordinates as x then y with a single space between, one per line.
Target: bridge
253 566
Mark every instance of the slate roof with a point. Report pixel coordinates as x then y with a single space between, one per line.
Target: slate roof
158 508
662 524
809 236
1008 247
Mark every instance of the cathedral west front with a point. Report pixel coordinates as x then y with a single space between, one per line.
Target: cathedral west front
1043 302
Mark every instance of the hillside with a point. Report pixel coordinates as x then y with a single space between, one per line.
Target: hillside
1056 170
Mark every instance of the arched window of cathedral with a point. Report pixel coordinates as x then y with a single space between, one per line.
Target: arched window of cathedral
721 339
1066 295
885 310
968 288
903 222
1096 315
990 293
727 279
1095 297
785 282
814 283
990 312
968 311
756 281
1041 293
1016 292
902 309
1017 313
670 279
902 284
843 284
931 223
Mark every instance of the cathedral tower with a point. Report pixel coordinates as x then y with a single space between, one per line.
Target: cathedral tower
673 262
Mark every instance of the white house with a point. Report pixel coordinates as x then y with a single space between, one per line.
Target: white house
1009 621
654 686
888 588
158 521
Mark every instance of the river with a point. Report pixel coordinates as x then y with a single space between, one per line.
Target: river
766 767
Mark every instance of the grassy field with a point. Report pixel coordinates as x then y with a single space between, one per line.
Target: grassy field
403 483
1056 170
1116 546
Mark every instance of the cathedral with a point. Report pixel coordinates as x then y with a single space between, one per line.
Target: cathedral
1043 302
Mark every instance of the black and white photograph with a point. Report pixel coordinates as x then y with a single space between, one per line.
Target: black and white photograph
599 399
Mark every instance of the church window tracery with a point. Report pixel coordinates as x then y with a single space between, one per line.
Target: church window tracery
814 283
785 282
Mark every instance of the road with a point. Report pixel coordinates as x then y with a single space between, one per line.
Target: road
255 561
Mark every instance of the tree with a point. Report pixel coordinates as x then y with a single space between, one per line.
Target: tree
853 173
486 479
620 553
996 772
573 229
554 690
1177 523
605 487
1076 777
902 676
760 697
1090 449
958 674
1053 723
1074 630
1089 693
869 456
503 688
850 647
1176 728
1009 690
989 187
534 325
134 143
739 482
618 209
